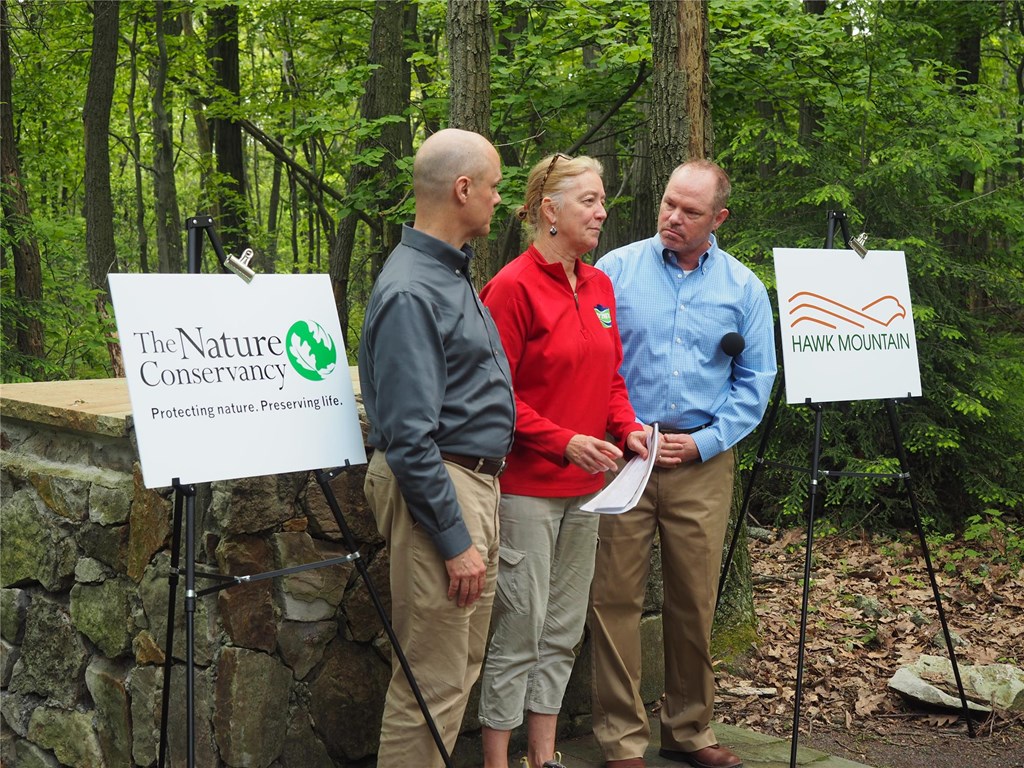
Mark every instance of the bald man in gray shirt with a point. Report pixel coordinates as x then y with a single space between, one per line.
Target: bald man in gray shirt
437 390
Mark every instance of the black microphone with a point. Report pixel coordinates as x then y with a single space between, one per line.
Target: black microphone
733 343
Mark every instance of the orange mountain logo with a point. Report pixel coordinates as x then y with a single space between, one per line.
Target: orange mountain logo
808 307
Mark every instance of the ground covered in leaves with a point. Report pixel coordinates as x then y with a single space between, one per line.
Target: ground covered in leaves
871 611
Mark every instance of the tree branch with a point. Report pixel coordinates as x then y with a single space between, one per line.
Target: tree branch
641 77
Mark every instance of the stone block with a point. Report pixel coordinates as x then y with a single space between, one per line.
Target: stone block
252 694
69 734
154 590
35 547
28 755
9 655
17 709
302 643
107 684
348 491
247 610
53 657
67 497
149 527
145 687
147 650
13 607
89 570
102 612
364 622
256 504
110 504
302 748
106 543
347 699
312 595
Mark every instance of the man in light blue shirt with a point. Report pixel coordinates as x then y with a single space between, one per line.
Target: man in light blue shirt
699 359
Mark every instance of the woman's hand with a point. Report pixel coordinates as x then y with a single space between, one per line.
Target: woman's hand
591 454
637 442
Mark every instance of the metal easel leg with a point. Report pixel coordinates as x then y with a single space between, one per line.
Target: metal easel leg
890 410
813 494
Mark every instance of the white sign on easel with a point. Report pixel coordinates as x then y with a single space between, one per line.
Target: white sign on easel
847 325
230 379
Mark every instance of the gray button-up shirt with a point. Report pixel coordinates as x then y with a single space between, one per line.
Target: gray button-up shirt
434 378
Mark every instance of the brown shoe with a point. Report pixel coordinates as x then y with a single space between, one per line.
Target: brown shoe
629 762
714 756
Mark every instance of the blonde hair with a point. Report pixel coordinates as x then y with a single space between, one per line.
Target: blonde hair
549 178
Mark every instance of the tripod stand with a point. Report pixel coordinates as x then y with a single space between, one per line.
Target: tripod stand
815 474
184 523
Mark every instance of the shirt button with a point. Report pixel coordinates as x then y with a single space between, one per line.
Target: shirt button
678 340
458 271
672 407
679 274
675 373
682 306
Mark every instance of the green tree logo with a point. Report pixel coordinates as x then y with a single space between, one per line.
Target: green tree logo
311 350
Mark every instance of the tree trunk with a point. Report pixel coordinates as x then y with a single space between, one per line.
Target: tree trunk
469 93
670 121
386 93
99 207
810 112
694 59
681 130
227 133
604 149
646 192
133 128
165 191
204 141
28 280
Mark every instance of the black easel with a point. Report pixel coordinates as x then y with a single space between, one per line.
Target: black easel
184 500
814 474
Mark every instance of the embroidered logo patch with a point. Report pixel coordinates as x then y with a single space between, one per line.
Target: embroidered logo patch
604 314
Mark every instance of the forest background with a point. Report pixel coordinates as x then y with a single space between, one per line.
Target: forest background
293 124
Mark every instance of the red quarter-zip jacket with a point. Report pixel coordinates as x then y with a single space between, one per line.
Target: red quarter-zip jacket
565 352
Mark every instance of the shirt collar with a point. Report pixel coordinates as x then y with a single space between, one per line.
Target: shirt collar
451 257
669 257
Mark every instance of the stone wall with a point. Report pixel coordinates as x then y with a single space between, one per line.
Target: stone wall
290 672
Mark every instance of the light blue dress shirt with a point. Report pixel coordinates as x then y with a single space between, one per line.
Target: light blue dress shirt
672 324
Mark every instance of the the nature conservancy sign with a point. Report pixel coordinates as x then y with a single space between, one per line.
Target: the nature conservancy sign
847 325
231 379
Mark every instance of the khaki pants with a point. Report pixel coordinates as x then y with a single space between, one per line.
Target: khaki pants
688 507
547 561
443 643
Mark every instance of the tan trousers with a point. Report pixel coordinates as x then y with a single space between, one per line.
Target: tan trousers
688 507
443 643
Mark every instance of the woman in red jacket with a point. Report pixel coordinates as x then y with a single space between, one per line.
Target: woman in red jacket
556 317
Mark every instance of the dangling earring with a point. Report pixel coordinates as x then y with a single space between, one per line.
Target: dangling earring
553 230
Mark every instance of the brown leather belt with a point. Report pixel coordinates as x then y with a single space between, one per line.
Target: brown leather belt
671 431
493 467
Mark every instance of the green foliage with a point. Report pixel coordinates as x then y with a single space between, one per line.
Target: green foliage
76 349
872 107
864 109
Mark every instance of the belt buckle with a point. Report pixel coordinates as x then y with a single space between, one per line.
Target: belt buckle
501 466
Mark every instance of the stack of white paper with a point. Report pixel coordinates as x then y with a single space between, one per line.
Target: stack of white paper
623 493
